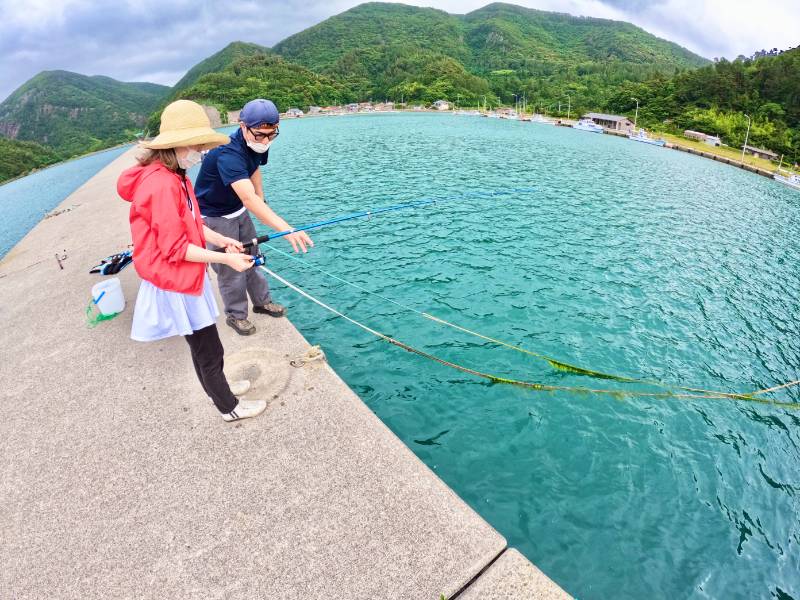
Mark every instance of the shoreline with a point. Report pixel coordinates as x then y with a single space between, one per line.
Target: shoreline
65 161
561 122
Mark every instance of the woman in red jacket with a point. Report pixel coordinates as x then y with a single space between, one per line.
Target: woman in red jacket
169 253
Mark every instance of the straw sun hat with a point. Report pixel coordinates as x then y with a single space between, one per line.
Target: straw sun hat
185 123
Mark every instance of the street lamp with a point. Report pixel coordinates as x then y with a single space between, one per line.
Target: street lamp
746 135
636 118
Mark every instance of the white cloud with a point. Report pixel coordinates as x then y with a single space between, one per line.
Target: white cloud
717 28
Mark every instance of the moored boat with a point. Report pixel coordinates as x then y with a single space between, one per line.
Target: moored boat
537 118
641 136
588 125
792 180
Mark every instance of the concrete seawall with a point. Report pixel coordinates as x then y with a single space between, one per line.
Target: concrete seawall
723 159
121 481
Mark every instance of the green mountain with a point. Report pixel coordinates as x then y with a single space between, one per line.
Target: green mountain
715 99
73 113
18 158
375 25
515 50
218 62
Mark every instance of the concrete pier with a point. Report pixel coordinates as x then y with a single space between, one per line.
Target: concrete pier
120 480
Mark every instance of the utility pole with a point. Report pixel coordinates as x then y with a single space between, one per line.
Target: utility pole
636 118
569 105
746 135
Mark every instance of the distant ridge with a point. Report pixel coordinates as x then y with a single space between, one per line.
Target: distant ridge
218 62
497 36
74 113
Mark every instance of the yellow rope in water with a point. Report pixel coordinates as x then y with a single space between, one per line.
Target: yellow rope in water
555 363
526 384
777 387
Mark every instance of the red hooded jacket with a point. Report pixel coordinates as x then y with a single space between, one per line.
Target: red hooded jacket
162 227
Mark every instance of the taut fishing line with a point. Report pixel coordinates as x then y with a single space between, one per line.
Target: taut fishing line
699 395
686 392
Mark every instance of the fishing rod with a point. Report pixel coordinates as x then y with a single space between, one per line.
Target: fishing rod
255 242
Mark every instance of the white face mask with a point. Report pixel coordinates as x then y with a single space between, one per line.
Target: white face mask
259 147
188 160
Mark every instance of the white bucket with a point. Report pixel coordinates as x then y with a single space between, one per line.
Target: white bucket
107 295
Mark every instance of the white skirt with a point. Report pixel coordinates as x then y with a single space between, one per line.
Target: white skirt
159 314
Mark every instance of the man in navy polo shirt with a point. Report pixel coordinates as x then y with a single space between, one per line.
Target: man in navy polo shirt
228 186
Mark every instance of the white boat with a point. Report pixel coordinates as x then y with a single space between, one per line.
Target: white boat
792 180
641 136
540 119
588 125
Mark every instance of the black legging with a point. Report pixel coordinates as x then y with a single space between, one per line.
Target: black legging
207 353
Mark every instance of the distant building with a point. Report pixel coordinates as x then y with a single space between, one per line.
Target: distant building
711 140
695 135
761 153
441 105
612 122
294 112
352 108
314 110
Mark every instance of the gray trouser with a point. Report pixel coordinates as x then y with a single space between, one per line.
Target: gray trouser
233 285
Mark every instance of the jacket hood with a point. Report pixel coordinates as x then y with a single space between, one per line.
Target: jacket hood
130 179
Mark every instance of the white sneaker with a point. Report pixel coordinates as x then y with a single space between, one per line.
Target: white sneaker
246 409
239 388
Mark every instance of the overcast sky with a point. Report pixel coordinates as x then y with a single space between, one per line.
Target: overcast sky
158 41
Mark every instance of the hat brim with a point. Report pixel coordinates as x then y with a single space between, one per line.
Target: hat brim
200 136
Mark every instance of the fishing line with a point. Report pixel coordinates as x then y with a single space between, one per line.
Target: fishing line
553 362
525 384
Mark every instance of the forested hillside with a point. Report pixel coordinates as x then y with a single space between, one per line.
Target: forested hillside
715 99
382 50
18 158
73 113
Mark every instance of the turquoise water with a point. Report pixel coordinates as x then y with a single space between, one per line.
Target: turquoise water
627 258
25 201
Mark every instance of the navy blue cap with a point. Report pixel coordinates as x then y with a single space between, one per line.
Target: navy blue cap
259 111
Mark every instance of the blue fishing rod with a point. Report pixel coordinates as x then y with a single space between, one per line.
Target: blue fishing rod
367 214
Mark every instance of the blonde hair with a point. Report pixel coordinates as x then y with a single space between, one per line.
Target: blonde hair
166 156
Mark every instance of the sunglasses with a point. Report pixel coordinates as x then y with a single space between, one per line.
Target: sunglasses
263 136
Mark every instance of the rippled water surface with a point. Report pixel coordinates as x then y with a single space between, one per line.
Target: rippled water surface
628 259
25 201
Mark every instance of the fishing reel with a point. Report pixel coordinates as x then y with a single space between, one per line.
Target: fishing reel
259 260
